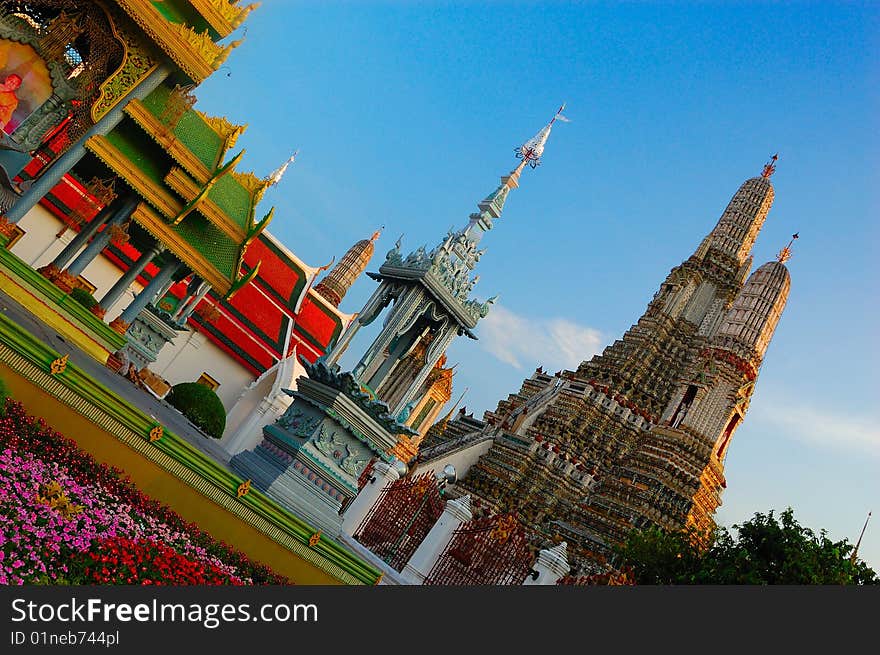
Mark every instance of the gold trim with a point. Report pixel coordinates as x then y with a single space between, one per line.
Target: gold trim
122 166
178 180
141 56
59 365
243 489
147 217
195 53
218 13
156 433
314 539
225 129
161 135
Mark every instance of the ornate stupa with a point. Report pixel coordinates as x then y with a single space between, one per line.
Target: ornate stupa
338 281
637 435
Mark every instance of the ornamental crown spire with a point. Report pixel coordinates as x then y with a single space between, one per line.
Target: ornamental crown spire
530 153
770 167
785 254
533 149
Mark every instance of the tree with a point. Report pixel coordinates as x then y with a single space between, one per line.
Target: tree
764 550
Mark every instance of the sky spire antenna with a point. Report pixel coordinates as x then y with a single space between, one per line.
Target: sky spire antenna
770 167
785 254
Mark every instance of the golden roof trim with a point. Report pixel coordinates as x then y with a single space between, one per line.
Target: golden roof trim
133 176
159 132
196 54
159 228
183 184
224 128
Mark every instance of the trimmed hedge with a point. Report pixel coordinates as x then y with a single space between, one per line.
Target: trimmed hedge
83 297
4 393
200 405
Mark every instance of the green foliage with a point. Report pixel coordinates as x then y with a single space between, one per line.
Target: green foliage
83 297
765 550
200 405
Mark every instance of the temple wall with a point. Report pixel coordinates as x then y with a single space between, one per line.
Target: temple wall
183 360
462 459
192 354
39 245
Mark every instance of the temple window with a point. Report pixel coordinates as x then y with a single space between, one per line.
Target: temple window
728 432
208 381
83 283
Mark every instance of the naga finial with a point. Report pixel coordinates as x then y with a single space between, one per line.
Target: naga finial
785 254
770 167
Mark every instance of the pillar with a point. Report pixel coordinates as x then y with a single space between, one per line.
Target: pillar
52 176
382 475
204 288
116 291
550 565
124 320
455 513
103 239
81 239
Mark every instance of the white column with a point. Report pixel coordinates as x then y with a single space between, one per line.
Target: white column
551 564
455 513
383 475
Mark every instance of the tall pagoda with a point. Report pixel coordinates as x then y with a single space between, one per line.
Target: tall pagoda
313 457
637 435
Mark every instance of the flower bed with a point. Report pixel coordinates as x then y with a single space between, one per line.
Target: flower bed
66 519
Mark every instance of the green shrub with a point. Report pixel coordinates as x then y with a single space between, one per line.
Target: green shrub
200 405
83 297
3 395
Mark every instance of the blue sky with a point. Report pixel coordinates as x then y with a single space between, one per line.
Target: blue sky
407 113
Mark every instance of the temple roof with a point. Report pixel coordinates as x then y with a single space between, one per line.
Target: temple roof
188 30
200 206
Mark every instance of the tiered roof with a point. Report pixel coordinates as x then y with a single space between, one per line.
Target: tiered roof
201 208
188 30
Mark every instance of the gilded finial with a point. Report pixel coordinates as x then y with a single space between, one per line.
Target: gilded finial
770 167
785 254
377 233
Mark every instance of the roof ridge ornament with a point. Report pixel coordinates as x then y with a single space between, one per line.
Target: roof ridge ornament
770 167
785 254
275 176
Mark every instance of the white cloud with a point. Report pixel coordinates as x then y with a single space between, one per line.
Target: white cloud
553 343
840 431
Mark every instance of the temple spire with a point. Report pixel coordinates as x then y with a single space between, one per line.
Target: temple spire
770 167
533 149
276 175
785 254
530 153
